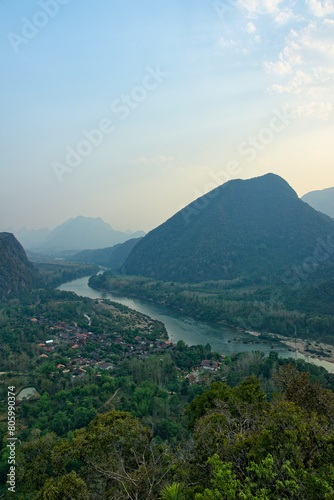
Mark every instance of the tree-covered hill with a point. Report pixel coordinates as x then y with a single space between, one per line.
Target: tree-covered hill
111 257
17 274
100 256
255 228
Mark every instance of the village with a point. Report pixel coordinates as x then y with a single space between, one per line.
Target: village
84 349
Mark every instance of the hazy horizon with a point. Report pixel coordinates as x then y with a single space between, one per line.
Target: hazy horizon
129 112
61 223
9 228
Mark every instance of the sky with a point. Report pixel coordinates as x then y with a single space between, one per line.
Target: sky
131 110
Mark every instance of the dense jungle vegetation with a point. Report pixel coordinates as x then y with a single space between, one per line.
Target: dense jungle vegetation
155 424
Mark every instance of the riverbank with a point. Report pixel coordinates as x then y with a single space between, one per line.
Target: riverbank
181 325
138 296
324 352
129 294
310 348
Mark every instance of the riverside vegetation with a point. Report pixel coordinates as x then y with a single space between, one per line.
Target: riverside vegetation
266 308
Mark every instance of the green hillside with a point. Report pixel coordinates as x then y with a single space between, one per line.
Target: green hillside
17 274
100 256
111 257
255 228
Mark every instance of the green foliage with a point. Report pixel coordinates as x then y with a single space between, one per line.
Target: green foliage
113 458
17 274
261 482
249 392
242 445
204 402
69 487
287 450
123 433
173 492
271 308
307 395
53 274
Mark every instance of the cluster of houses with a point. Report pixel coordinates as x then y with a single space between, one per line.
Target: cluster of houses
196 375
77 339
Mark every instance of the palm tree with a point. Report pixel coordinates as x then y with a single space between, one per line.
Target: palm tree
173 492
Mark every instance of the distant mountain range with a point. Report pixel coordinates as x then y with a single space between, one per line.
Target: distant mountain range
111 257
17 274
322 200
76 234
256 229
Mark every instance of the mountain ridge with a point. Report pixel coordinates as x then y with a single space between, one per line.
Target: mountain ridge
253 228
75 234
110 257
321 200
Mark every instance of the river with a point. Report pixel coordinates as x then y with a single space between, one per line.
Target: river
223 339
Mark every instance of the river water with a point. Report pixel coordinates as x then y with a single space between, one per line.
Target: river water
223 339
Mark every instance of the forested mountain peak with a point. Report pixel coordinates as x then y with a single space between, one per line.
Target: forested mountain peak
256 227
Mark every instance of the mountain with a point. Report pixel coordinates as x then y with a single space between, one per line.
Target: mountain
322 200
17 274
81 233
256 228
101 256
111 257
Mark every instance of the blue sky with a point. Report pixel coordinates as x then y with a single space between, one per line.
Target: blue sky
130 110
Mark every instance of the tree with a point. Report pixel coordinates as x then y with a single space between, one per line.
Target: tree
280 442
173 492
113 458
248 392
310 396
60 423
204 402
33 459
69 487
181 345
261 481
